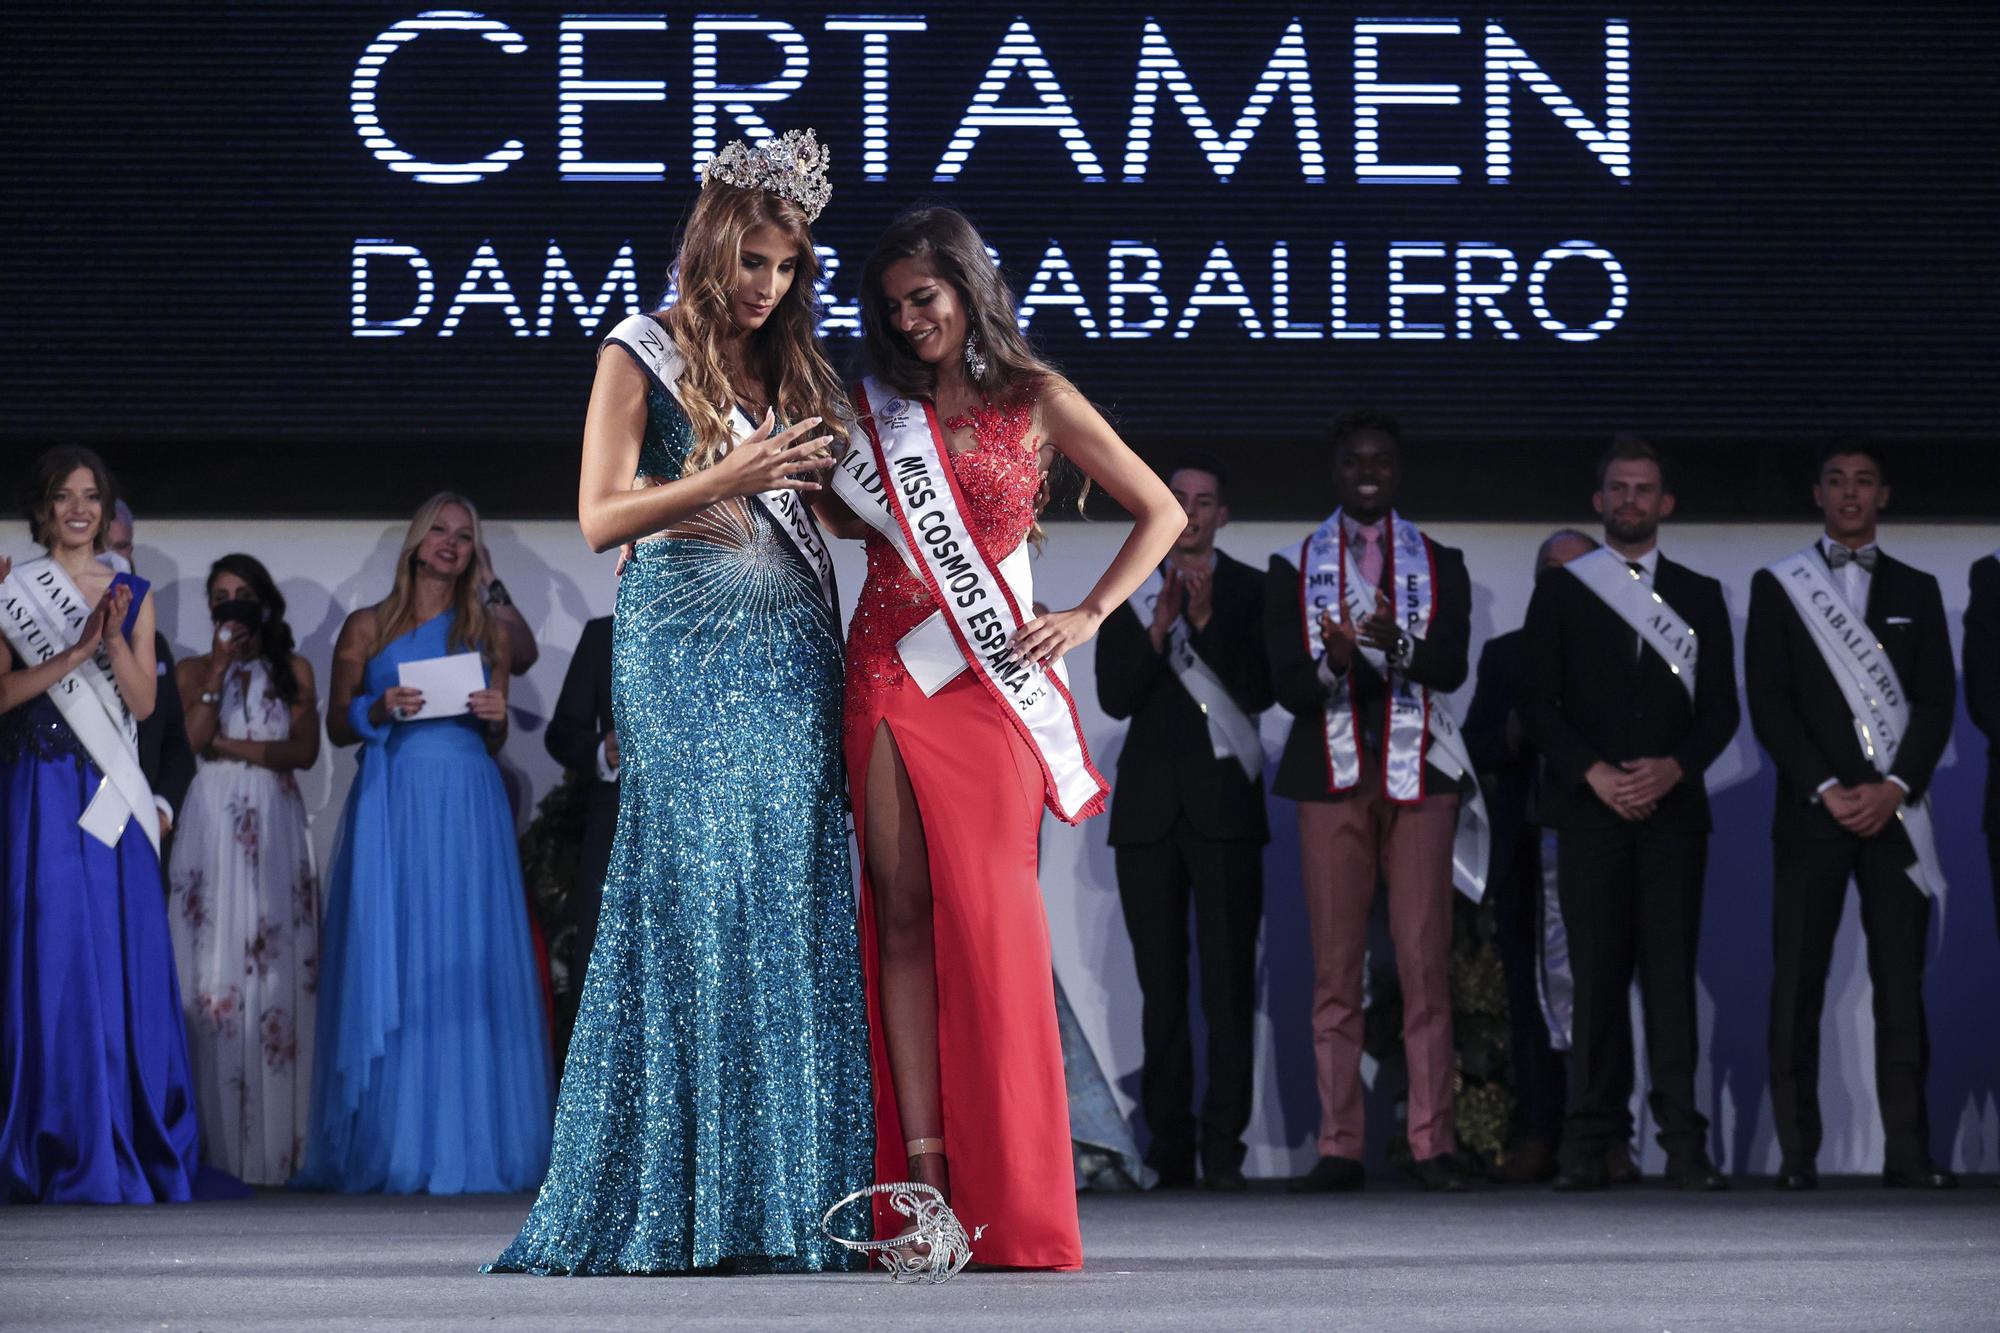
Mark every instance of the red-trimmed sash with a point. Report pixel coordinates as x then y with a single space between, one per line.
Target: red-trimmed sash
1415 727
922 513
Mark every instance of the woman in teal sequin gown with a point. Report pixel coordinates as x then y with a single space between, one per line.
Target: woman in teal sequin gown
716 1100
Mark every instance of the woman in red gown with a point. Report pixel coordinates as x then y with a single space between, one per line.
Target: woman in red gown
947 791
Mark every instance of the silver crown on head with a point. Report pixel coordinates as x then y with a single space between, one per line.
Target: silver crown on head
793 165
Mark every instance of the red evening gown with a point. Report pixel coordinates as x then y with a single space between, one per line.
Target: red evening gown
979 790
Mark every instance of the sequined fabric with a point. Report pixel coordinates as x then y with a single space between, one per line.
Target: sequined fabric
716 1098
37 728
999 476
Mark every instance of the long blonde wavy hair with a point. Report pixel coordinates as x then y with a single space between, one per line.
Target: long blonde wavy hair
396 614
785 353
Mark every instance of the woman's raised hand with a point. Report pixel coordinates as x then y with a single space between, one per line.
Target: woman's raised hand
774 460
85 647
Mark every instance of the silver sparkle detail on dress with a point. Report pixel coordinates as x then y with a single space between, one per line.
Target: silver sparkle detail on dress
716 1094
935 1248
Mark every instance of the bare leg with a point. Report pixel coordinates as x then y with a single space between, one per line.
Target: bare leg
899 875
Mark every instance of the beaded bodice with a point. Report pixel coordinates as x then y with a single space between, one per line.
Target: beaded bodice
1000 480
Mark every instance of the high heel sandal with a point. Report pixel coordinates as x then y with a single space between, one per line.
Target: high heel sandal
934 1247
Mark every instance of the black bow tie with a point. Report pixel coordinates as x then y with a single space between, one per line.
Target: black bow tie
1838 555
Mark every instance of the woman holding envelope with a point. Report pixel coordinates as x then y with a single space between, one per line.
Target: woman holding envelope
431 1068
96 1102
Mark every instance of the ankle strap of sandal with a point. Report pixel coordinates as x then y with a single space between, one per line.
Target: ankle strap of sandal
924 1147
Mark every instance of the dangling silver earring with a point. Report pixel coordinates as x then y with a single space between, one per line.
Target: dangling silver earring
975 360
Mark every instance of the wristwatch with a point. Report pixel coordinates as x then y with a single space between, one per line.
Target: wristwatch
496 594
1399 651
210 697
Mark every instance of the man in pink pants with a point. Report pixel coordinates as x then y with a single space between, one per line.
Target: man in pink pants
1367 624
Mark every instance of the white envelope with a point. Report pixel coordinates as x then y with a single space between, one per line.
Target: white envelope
446 683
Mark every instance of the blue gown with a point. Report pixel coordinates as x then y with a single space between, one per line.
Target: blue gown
96 1099
431 1072
716 1100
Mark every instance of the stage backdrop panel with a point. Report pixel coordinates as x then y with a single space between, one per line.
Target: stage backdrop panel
265 237
327 568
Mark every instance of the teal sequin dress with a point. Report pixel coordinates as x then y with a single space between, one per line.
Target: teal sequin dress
716 1099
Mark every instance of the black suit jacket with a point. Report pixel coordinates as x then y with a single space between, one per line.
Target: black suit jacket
1507 771
1796 705
1437 662
1590 693
1168 765
1982 674
164 755
576 729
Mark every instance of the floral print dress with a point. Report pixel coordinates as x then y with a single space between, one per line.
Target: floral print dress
244 908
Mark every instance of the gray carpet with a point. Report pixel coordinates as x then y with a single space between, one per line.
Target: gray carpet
1851 1257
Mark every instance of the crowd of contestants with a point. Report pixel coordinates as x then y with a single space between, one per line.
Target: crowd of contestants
190 1004
218 1012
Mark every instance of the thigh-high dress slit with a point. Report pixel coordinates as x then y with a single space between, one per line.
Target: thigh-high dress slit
979 793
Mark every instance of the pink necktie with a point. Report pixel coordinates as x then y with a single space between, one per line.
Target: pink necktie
1370 540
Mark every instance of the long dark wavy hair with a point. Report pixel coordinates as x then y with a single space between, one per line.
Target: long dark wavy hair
945 241
275 641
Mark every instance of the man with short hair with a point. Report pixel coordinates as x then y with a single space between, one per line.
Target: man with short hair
1849 664
164 754
1184 660
1508 763
1630 693
1368 624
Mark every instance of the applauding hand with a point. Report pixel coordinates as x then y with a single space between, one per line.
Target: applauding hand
1167 609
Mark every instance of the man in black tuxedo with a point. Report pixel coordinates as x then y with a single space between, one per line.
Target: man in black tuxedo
1373 801
1839 814
1187 822
1508 764
1982 695
164 754
1612 641
581 737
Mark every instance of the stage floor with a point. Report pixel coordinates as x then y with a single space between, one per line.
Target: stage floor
1851 1257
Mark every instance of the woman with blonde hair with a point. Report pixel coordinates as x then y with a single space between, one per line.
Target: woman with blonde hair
715 1099
431 1070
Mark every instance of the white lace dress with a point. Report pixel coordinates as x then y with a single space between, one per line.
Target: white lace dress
244 907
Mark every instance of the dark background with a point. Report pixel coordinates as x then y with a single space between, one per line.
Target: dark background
1808 234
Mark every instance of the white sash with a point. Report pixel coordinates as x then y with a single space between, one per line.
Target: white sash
1417 726
980 606
645 339
1231 732
42 613
1658 625
1869 683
